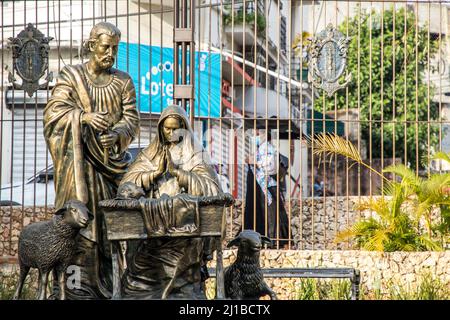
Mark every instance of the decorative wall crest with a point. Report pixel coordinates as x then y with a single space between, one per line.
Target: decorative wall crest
328 60
30 58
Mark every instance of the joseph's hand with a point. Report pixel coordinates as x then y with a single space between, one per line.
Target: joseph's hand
97 120
109 139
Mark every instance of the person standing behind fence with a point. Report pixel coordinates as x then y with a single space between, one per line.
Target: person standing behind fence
89 122
264 171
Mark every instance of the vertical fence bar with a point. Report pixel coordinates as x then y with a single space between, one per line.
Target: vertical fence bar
138 100
161 18
2 100
195 52
192 60
277 148
370 99
176 45
335 156
347 129
359 99
428 91
12 141
150 49
301 117
416 126
234 183
35 125
266 122
128 36
235 139
221 113
312 141
405 87
440 83
183 52
289 56
255 78
394 106
243 104
324 111
24 123
47 97
382 94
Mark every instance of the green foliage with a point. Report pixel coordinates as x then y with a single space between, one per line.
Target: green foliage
238 19
8 282
382 61
397 225
313 289
403 219
429 288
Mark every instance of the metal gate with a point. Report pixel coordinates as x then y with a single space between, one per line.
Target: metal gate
249 76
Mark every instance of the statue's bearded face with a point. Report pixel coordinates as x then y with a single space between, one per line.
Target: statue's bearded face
170 129
105 50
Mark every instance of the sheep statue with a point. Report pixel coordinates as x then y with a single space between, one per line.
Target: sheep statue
244 278
50 245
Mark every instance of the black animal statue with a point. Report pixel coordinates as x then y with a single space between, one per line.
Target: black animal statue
244 278
50 246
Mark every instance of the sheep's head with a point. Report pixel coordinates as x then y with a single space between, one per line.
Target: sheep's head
75 214
249 241
129 190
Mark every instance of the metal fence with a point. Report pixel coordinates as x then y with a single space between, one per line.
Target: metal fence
250 68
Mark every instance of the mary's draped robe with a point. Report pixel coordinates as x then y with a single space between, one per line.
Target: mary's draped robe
78 159
170 267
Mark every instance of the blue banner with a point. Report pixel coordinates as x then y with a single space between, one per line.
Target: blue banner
155 77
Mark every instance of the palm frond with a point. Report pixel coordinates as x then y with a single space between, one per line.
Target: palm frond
435 186
441 156
377 241
327 145
344 235
429 244
399 196
380 206
407 175
423 208
330 144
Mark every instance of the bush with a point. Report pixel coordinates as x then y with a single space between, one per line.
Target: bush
403 219
428 288
238 19
8 282
313 289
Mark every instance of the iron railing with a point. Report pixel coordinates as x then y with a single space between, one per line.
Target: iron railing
242 78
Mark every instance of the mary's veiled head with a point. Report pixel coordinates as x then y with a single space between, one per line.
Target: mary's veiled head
175 132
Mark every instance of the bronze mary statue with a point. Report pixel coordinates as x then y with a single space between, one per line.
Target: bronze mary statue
173 163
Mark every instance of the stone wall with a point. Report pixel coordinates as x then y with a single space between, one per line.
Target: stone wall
9 237
320 219
314 227
379 271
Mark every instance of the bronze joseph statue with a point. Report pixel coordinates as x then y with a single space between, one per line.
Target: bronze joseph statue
89 122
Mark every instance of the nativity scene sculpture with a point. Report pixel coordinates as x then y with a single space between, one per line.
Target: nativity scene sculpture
167 206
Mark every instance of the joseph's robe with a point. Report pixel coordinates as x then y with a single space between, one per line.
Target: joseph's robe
78 159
